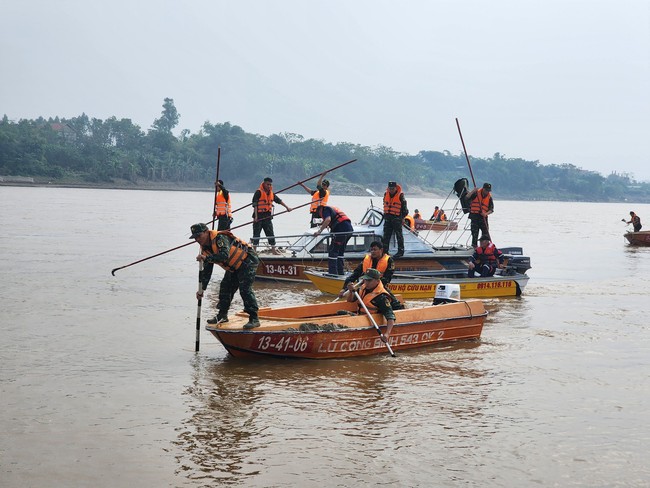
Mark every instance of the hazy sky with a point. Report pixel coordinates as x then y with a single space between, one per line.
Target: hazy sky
559 81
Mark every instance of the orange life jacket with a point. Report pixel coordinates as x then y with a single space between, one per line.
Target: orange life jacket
382 263
222 206
339 216
368 296
487 255
238 250
417 215
410 221
316 200
393 205
481 203
265 203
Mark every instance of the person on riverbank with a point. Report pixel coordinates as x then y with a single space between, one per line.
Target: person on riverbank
341 230
263 200
395 209
239 261
319 197
486 259
635 220
481 205
222 207
375 297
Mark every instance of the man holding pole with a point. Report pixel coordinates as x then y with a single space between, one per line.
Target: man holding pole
481 205
375 297
263 200
240 262
222 208
319 197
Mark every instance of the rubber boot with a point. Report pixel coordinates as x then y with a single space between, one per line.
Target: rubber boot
253 322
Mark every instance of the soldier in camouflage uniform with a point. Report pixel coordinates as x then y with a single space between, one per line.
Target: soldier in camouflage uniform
240 262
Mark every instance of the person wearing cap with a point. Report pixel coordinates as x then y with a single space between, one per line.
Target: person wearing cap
395 209
263 200
375 297
382 262
222 209
341 230
481 205
319 197
635 220
486 259
417 215
239 261
436 212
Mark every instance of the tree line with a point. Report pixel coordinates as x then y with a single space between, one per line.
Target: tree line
94 151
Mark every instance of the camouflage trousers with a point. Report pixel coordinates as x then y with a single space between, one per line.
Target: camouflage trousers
241 280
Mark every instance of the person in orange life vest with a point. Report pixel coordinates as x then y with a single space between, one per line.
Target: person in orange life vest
441 217
239 261
635 220
436 212
375 297
486 259
481 205
341 229
376 259
395 209
222 208
319 197
263 200
417 214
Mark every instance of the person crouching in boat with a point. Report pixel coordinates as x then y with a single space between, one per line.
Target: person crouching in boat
486 259
239 260
635 220
375 297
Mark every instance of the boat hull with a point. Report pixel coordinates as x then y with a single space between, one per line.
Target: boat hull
424 287
440 226
281 336
641 238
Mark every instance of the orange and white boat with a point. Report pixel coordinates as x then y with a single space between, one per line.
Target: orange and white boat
326 331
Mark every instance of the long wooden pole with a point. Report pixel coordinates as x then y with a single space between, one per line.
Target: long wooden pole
465 151
216 188
372 319
192 242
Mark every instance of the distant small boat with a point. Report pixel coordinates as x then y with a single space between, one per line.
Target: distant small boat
641 238
422 285
327 331
440 225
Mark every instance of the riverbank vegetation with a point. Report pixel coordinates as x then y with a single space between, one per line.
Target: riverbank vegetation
116 152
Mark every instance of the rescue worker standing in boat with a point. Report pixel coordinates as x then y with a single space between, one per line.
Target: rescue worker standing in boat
395 210
263 200
375 297
635 220
486 259
341 228
319 197
222 208
239 261
481 205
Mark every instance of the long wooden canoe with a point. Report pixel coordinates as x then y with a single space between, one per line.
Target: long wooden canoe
437 225
641 238
318 332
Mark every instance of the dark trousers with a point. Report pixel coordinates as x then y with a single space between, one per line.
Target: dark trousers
336 251
267 226
223 222
393 224
241 280
484 270
478 222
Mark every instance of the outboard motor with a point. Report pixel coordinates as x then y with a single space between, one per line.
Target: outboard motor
460 189
446 294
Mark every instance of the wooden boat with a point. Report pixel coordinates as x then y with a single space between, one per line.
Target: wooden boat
423 285
302 251
439 226
641 238
318 332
